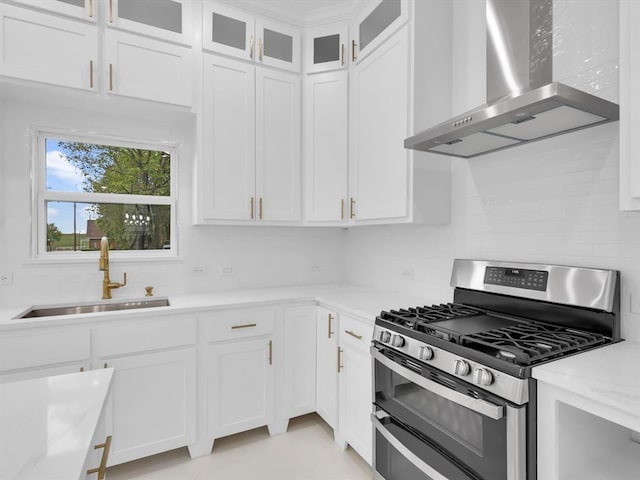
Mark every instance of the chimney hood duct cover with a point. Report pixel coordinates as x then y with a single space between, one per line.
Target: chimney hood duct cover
523 103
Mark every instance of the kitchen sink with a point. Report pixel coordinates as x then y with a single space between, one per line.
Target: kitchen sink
51 311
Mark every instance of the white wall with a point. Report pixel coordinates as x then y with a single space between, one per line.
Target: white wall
262 257
554 201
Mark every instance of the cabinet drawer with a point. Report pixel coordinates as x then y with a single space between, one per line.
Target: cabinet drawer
355 334
24 350
141 336
240 324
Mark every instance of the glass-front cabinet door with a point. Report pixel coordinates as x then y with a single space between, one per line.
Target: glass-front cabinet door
375 24
278 44
326 48
166 19
228 31
85 9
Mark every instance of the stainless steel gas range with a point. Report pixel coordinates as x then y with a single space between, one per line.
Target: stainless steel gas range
453 396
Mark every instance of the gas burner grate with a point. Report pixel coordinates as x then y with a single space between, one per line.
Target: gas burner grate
410 317
529 343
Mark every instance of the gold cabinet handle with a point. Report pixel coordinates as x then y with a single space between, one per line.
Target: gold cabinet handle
91 73
111 76
251 47
90 8
105 365
352 208
252 208
342 209
270 352
340 366
354 335
354 56
82 369
342 54
110 11
246 325
102 469
260 49
260 208
329 332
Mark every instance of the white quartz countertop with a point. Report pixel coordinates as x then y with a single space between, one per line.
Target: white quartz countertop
47 424
609 375
362 302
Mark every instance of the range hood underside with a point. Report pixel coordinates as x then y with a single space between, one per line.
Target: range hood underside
547 111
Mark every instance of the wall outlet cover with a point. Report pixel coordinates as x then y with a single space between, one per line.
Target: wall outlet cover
6 278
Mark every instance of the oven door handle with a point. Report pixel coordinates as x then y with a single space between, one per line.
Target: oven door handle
405 452
482 407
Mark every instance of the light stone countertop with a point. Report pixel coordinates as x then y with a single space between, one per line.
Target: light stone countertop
47 424
362 302
608 377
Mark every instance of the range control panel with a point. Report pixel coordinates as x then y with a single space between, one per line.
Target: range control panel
517 277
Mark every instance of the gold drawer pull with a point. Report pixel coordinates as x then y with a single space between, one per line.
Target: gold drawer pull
329 332
355 335
102 469
247 325
340 366
270 352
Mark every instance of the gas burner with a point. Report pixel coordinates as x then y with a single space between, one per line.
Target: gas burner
508 356
413 318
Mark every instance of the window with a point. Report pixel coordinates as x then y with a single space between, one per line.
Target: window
89 188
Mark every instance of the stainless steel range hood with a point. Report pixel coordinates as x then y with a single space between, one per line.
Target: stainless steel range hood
523 103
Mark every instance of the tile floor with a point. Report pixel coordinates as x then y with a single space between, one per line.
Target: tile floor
306 452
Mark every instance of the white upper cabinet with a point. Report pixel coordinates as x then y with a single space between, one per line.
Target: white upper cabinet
629 105
169 20
326 147
375 25
326 48
380 166
46 48
147 68
239 34
85 9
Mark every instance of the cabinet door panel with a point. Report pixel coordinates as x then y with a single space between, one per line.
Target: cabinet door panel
327 365
227 183
278 45
46 48
152 405
300 360
44 372
146 68
326 145
228 31
240 386
376 24
379 162
85 9
165 19
326 48
278 145
355 402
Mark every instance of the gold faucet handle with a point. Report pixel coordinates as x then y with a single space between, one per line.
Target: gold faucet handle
149 291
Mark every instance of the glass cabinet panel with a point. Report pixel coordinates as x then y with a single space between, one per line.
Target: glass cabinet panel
162 14
278 45
376 24
75 3
85 9
228 31
326 47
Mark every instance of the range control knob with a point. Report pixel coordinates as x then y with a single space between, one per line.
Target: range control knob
482 377
460 367
426 353
397 341
384 336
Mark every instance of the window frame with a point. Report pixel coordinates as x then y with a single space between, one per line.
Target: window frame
41 195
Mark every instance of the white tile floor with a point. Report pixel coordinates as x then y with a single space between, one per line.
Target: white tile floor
306 452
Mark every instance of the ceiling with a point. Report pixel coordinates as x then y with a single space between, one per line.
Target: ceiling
302 12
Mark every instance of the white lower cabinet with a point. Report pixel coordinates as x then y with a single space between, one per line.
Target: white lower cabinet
240 381
327 365
355 387
152 404
299 361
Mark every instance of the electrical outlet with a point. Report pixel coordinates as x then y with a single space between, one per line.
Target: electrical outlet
227 270
315 268
6 278
199 269
407 273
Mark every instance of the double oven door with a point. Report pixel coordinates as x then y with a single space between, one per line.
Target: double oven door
429 425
